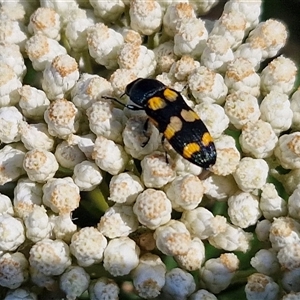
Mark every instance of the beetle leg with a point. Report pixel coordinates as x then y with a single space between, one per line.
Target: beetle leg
166 154
145 132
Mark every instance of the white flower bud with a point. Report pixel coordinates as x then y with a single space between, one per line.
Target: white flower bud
36 136
275 109
74 281
33 102
85 143
121 256
279 75
251 174
60 76
207 86
42 280
120 79
262 230
42 50
156 172
138 58
145 18
203 295
26 194
50 257
258 139
13 270
61 195
228 156
250 51
243 209
152 208
76 28
173 238
63 227
265 261
219 187
165 56
88 89
284 231
232 25
190 38
295 107
108 10
271 205
118 220
288 149
109 156
202 224
217 53
104 44
185 192
292 295
232 238
12 32
294 205
88 245
179 284
106 120
68 156
124 188
183 166
270 35
62 118
40 165
87 175
12 233
37 224
241 108
10 171
150 269
11 55
183 68
103 288
194 258
175 14
250 9
6 205
290 281
241 76
20 293
260 286
10 119
62 8
46 21
217 273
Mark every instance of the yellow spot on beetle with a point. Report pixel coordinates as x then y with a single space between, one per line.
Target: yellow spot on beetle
156 103
190 149
189 115
170 95
174 126
206 139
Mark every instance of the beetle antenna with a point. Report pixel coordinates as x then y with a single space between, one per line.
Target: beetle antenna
132 107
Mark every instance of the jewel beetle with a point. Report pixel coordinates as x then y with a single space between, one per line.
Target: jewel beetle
178 123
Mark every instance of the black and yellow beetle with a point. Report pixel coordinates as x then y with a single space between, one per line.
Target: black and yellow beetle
178 123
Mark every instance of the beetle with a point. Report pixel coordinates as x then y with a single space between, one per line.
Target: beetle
178 123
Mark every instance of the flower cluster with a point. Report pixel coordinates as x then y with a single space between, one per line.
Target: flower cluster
66 148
